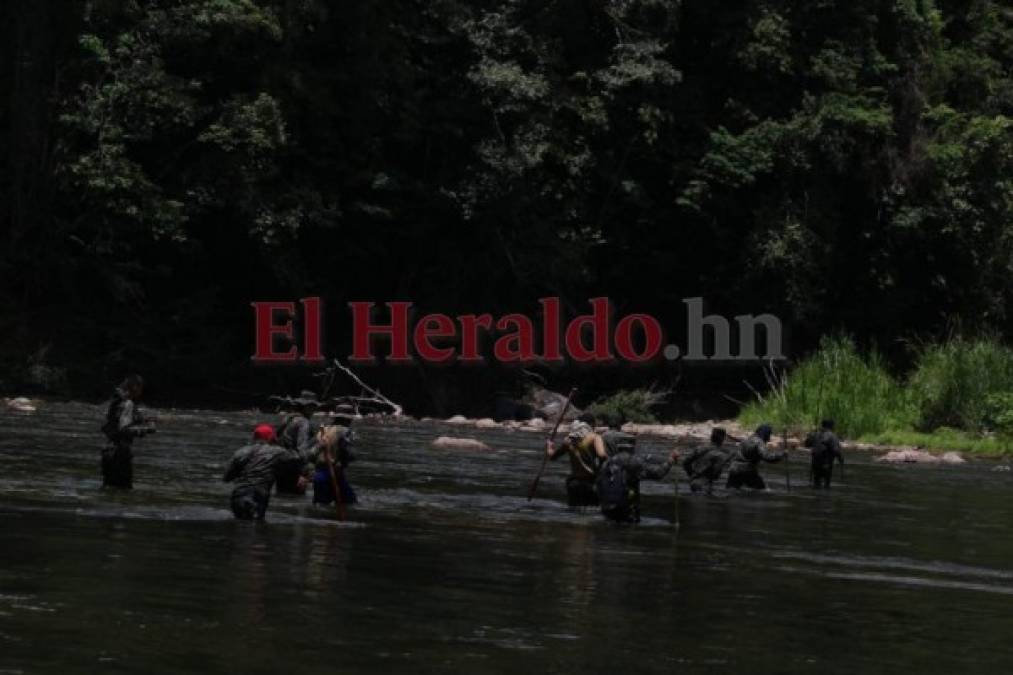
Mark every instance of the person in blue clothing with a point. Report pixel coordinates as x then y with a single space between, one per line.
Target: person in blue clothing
334 450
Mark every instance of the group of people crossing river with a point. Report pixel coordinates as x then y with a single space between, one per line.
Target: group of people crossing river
605 468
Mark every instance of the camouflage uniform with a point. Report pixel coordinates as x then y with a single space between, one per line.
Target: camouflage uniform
123 424
633 469
298 435
255 468
826 448
744 471
704 465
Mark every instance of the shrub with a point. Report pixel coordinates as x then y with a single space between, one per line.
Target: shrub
958 383
630 405
836 382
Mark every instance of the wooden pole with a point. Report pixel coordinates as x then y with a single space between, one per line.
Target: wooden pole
339 506
675 482
552 435
787 471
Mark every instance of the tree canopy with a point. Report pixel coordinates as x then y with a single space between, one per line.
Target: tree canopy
845 164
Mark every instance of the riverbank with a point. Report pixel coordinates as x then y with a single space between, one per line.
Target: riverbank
945 446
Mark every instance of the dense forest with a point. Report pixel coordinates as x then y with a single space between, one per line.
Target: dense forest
844 164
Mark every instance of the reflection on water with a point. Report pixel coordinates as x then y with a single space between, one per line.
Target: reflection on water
446 567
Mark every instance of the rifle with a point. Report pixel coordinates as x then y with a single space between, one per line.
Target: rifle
552 436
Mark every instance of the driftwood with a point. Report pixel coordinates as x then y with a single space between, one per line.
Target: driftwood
369 400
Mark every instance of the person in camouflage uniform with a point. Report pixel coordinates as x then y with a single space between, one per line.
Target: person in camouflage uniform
744 471
254 468
123 424
618 480
297 434
826 447
705 463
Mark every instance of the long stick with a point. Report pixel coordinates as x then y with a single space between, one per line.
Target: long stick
787 471
339 506
552 435
675 482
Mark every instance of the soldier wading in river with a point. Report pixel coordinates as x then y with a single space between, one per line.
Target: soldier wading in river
826 447
618 480
254 468
744 470
123 424
705 463
296 433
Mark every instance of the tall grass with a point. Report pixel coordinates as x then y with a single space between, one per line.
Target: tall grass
839 383
956 382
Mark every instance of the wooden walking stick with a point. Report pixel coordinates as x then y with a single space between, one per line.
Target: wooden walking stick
675 482
339 505
552 436
787 471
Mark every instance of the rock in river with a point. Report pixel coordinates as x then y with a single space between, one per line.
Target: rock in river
451 443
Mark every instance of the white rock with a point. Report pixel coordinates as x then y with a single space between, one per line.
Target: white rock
458 419
919 456
486 423
20 404
451 443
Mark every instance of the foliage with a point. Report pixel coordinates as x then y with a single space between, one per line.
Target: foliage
840 164
962 383
838 383
629 405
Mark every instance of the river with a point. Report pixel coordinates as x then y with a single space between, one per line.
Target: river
445 566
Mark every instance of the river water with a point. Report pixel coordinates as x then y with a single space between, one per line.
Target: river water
445 567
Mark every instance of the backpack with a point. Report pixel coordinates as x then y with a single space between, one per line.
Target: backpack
618 441
822 455
280 432
613 494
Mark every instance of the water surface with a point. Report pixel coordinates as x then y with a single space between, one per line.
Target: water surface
445 566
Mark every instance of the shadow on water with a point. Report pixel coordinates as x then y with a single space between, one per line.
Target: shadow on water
445 566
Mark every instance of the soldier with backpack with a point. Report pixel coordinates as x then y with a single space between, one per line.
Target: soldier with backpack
123 424
618 480
296 433
826 447
705 463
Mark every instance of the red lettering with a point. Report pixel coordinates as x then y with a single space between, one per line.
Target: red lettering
470 323
598 323
312 351
434 326
518 346
550 329
363 331
652 337
266 330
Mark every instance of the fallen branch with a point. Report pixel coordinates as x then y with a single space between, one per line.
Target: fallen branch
376 396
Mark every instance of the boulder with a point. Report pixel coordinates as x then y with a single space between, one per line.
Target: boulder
548 404
458 419
486 423
919 456
451 443
536 424
20 404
